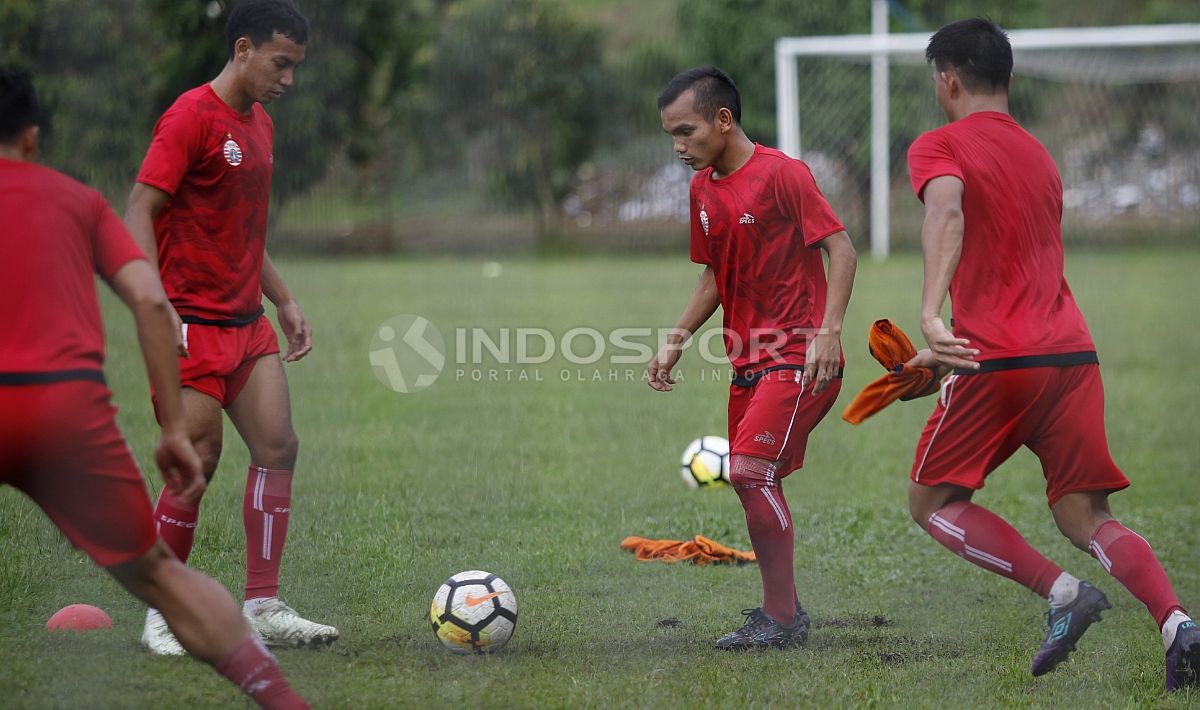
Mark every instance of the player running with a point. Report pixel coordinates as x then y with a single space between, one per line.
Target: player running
200 207
1025 368
757 220
59 442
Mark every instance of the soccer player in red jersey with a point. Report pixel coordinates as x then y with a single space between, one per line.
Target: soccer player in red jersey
1025 369
199 210
759 224
59 442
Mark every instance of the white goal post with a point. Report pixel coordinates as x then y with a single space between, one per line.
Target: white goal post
881 46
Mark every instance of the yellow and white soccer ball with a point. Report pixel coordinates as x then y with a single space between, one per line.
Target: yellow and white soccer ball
705 463
474 612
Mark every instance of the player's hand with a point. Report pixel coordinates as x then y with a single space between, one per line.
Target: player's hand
658 372
926 359
180 343
180 466
821 361
296 329
948 350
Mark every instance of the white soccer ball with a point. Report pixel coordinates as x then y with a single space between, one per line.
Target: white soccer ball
474 612
705 463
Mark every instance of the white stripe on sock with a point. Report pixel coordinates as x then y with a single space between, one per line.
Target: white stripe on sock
268 524
1101 557
989 558
947 526
259 484
783 522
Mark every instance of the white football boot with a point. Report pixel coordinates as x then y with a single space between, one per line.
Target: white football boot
157 638
277 624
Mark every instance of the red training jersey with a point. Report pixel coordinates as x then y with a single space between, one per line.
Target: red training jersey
57 235
216 165
1008 296
757 229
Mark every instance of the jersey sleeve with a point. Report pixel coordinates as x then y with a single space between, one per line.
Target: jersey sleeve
112 245
177 143
699 239
801 201
929 157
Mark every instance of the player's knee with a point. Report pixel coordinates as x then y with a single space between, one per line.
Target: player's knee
210 455
751 472
143 576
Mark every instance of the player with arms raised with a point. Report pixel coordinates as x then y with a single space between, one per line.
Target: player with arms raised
200 206
1025 368
59 442
759 224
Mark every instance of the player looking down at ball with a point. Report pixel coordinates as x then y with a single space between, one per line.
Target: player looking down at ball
199 211
758 226
59 442
1025 368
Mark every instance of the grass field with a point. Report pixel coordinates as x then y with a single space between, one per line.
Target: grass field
539 481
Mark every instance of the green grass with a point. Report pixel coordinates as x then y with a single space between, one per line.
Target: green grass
539 481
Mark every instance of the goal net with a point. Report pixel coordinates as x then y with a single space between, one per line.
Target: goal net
1116 107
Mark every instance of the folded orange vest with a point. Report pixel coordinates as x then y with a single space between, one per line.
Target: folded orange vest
892 348
699 550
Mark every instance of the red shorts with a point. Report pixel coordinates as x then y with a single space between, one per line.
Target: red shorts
59 444
981 420
772 419
221 358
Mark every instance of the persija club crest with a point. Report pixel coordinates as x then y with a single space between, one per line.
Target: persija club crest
704 219
233 152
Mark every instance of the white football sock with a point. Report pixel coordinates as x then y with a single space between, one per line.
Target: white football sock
1171 625
1064 591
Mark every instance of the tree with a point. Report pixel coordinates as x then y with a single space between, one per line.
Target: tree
527 86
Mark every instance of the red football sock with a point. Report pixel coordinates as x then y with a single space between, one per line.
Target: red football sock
769 522
980 536
265 511
253 669
176 523
1128 557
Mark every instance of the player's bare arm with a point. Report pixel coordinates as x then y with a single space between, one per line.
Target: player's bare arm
145 202
700 307
138 287
287 311
941 240
824 352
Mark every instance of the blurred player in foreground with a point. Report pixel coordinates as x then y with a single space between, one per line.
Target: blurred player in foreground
1025 368
200 207
759 224
59 442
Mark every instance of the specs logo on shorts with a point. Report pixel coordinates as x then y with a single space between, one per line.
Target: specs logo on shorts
766 438
233 152
746 218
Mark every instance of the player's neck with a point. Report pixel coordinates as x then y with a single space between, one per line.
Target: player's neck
996 103
227 88
737 153
11 152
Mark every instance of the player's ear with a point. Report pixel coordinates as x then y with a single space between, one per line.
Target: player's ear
724 121
242 47
29 141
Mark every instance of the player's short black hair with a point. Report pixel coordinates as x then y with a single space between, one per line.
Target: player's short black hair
19 107
261 19
714 90
978 49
